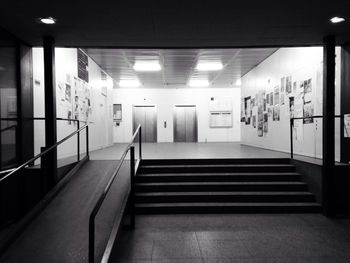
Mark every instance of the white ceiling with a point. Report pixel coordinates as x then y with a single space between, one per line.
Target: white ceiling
178 65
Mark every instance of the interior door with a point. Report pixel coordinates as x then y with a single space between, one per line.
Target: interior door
147 117
185 124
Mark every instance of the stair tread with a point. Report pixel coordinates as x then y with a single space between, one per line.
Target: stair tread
216 165
221 174
221 193
207 204
221 183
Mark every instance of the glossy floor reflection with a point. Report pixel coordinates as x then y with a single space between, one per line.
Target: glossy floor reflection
235 238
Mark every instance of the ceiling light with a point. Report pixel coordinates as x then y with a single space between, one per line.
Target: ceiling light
336 20
129 83
47 20
198 83
147 66
238 82
209 66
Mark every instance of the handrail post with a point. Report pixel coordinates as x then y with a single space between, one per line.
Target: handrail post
78 140
132 187
140 143
291 137
87 141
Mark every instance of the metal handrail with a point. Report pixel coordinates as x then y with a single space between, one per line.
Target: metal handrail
8 128
47 150
103 195
303 118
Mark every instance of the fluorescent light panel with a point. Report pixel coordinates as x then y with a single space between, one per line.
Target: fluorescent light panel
209 66
47 20
198 83
129 83
336 20
147 66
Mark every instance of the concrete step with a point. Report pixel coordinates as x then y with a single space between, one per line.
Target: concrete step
218 177
215 168
219 207
220 186
216 161
258 197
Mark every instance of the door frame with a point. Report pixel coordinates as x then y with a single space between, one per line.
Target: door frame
156 118
195 119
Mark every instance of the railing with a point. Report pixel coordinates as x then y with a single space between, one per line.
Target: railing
44 152
133 168
304 118
71 120
13 127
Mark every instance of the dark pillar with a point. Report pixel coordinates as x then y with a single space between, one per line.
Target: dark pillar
328 152
25 105
50 109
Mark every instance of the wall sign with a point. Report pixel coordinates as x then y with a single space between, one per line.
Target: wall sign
83 65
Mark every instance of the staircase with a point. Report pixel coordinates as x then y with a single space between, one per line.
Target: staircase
221 186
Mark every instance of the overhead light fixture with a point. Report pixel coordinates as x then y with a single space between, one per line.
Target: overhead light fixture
336 20
238 82
129 83
209 66
152 65
48 20
196 83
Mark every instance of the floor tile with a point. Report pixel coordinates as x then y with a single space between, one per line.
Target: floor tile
223 248
172 249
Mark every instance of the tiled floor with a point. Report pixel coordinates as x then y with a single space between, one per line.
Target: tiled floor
235 238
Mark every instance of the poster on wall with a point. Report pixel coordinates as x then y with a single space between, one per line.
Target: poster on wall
247 107
83 66
68 93
271 99
276 113
260 113
308 112
243 110
277 95
291 107
283 84
269 112
282 99
289 85
308 90
266 127
347 125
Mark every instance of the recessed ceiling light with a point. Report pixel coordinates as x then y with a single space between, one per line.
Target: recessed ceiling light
238 82
198 83
151 65
209 66
47 20
129 83
336 20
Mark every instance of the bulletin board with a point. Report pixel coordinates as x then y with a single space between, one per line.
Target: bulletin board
220 119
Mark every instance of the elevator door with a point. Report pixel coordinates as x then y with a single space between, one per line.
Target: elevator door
147 117
185 124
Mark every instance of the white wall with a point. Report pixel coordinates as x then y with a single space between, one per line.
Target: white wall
301 64
100 119
165 99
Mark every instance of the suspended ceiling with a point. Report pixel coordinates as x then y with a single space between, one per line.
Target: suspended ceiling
179 65
190 23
